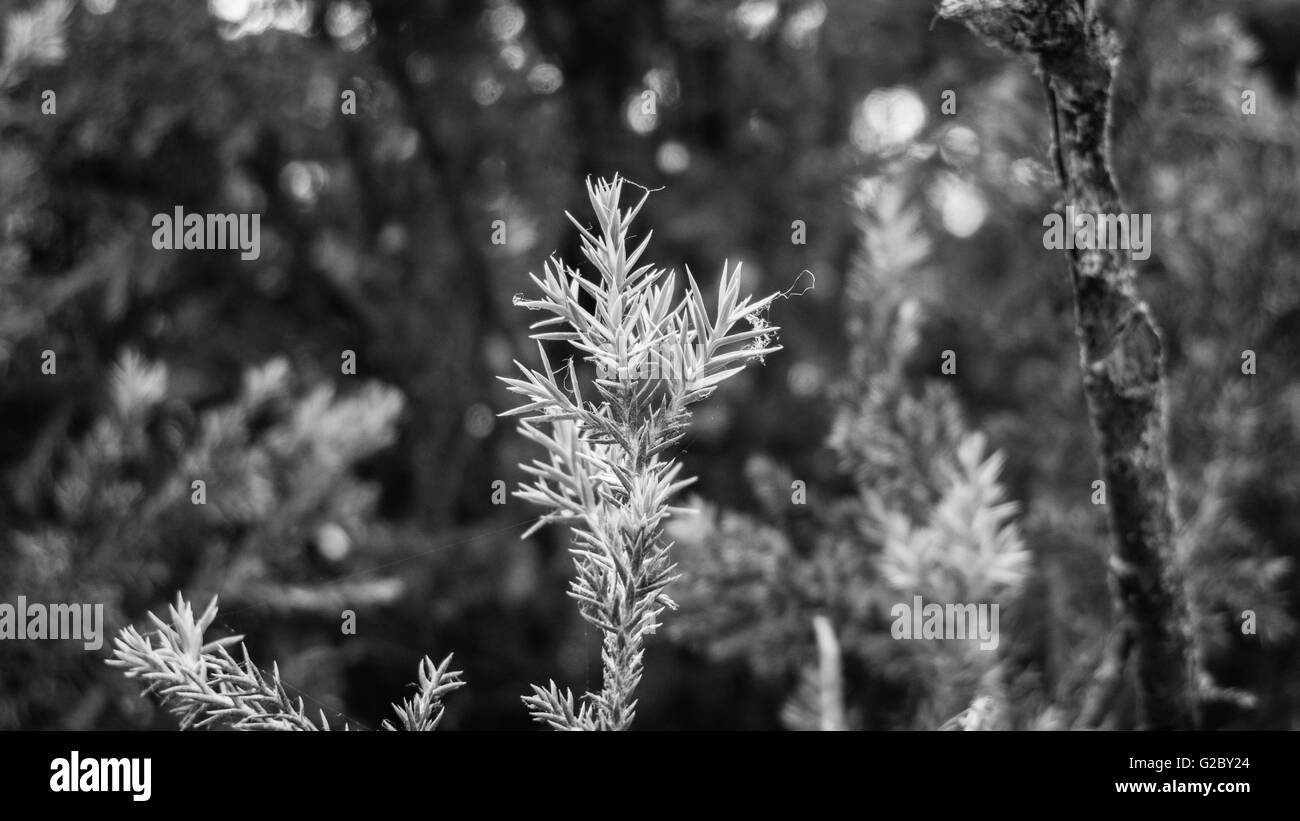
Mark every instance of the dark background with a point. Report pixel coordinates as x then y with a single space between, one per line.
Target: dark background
373 492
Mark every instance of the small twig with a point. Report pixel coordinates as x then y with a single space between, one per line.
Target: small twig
1054 113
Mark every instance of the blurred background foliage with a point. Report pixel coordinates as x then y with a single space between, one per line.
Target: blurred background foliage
372 492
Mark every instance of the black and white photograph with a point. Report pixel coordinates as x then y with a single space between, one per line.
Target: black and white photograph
649 365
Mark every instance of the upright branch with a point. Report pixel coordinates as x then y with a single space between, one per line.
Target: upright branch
608 475
1120 349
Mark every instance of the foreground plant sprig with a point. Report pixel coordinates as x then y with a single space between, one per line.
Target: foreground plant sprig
206 687
606 474
423 711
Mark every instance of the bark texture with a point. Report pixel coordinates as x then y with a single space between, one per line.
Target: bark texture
1120 349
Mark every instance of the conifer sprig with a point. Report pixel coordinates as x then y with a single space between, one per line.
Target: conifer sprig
606 475
206 687
202 683
423 711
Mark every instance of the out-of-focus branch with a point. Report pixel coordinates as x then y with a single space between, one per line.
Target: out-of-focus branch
1107 681
830 675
